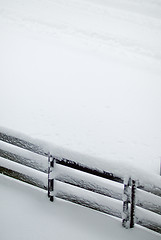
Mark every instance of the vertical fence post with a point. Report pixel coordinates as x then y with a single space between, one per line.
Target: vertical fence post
129 196
133 202
50 177
126 201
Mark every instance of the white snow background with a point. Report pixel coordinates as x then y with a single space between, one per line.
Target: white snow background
84 75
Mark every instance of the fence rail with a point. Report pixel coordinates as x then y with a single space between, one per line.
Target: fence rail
103 191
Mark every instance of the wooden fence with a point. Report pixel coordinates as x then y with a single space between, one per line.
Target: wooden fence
67 179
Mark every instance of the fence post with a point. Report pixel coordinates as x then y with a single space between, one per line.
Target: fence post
133 201
50 177
126 201
129 196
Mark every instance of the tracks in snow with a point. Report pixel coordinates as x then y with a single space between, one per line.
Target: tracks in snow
124 26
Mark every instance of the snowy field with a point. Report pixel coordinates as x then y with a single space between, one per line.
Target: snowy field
26 213
84 75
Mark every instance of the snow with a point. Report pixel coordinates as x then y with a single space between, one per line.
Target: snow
84 75
27 213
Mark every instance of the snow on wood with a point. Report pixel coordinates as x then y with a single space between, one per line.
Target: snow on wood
88 199
23 173
22 177
21 143
23 156
148 201
150 186
148 219
92 170
88 181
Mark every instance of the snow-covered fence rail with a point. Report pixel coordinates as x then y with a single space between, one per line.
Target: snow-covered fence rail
23 160
136 202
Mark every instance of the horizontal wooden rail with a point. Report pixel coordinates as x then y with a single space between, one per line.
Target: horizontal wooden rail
148 201
22 143
23 160
89 182
148 219
88 199
93 171
152 225
22 177
151 188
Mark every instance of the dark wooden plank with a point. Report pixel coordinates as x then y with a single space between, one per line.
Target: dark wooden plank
103 209
150 188
22 160
149 224
92 203
93 171
88 181
22 144
90 187
22 177
148 201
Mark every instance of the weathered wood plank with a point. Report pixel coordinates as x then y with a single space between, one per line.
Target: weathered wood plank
22 177
154 226
148 219
88 181
22 144
148 201
22 160
93 171
151 188
89 199
91 187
